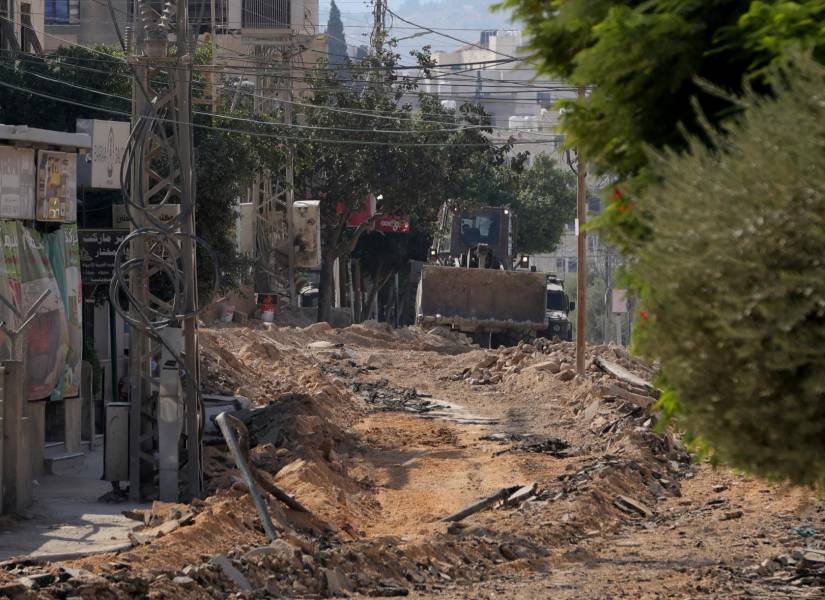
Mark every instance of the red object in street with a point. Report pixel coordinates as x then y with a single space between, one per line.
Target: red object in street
392 224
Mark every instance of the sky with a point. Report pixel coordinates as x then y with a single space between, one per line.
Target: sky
462 19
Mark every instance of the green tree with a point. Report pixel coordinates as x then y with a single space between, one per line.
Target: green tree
734 303
364 138
544 202
651 69
337 41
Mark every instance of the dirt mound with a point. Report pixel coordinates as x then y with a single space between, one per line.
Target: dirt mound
381 434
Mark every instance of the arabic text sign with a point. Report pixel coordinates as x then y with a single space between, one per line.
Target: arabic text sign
97 253
16 183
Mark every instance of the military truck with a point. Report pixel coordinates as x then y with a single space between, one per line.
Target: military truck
558 311
475 281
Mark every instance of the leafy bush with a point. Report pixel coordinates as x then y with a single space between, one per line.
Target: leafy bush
734 295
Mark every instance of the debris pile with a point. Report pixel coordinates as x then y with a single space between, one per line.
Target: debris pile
557 359
790 572
368 429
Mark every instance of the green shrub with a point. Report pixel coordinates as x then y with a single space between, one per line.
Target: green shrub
734 296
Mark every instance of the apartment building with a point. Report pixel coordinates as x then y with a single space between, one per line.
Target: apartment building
511 91
21 25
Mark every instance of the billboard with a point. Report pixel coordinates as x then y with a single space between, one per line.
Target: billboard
101 167
17 183
306 220
56 187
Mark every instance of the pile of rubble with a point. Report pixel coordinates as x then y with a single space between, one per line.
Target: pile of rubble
802 567
307 387
616 372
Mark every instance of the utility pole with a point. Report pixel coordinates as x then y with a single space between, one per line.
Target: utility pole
379 16
162 423
581 257
607 295
290 184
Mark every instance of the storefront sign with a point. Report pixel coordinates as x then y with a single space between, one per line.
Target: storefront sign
97 254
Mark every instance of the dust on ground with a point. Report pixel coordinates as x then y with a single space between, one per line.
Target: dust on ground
382 433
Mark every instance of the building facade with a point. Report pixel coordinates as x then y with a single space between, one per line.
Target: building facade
22 25
491 73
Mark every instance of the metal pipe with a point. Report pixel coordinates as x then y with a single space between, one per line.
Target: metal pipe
229 425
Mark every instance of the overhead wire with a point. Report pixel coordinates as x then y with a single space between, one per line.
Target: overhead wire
264 135
358 112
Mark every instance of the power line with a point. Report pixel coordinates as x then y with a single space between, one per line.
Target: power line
448 36
264 135
357 112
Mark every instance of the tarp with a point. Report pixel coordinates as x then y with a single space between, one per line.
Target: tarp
32 263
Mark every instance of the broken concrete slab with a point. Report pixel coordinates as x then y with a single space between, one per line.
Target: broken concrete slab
323 345
619 372
630 505
233 574
336 582
521 495
550 366
566 375
590 412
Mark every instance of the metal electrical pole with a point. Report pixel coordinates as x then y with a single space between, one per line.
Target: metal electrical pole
185 150
581 258
379 14
164 423
290 187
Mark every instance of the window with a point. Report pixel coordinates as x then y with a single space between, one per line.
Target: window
571 265
560 264
57 12
261 14
480 229
594 205
556 300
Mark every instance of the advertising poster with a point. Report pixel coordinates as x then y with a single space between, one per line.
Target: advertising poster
17 183
56 187
27 272
100 169
306 218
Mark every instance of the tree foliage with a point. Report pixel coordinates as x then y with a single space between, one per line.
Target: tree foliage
337 41
545 200
365 136
651 69
734 296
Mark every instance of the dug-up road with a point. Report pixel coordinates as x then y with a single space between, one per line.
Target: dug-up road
382 433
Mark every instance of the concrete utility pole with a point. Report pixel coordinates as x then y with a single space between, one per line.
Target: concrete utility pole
581 258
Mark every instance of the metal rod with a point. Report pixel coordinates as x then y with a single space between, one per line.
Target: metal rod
229 425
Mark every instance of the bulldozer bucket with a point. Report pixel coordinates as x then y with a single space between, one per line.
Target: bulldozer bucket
481 299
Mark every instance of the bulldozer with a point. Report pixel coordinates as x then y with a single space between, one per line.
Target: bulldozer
476 283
